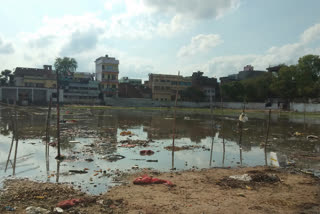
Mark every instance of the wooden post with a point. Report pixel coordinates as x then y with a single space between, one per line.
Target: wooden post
222 128
47 134
240 133
12 141
212 137
58 115
265 145
17 141
174 124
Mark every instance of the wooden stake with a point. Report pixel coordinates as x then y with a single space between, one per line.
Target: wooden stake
47 133
12 141
222 128
174 124
265 145
58 116
212 137
17 141
240 134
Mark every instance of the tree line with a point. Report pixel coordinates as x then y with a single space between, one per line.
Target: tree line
300 81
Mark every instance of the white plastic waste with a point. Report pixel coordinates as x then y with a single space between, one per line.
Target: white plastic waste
244 177
274 159
243 117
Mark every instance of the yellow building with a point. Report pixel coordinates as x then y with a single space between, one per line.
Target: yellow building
35 77
164 86
107 72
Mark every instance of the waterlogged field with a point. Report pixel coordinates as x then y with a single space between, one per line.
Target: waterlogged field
103 145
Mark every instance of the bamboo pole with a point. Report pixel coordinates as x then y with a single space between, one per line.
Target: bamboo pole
265 145
212 137
222 128
12 141
240 132
174 124
17 141
47 134
58 116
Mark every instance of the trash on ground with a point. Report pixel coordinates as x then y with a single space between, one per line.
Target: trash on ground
135 167
58 210
112 158
312 137
146 152
244 177
179 148
297 134
124 133
9 208
36 210
274 159
128 145
145 179
78 171
243 117
69 203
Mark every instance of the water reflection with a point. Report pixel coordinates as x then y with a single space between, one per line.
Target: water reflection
94 134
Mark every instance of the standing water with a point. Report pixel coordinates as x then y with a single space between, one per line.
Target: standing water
100 146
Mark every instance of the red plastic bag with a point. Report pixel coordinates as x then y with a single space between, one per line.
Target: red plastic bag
69 203
145 179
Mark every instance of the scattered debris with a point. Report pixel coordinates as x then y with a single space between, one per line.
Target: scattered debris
244 177
312 137
145 179
78 171
243 117
36 210
124 133
146 152
69 203
179 148
9 208
112 158
274 159
152 160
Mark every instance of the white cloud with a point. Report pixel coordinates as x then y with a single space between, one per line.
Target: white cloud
6 47
145 19
288 54
200 44
197 9
311 34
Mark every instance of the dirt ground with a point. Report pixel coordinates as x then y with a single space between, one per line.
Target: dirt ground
205 191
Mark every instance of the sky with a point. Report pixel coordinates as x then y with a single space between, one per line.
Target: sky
217 37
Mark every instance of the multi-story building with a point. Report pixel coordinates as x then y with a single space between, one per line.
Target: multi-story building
35 77
81 88
247 73
130 81
209 86
164 86
107 71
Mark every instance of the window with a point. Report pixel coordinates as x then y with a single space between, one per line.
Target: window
113 86
102 67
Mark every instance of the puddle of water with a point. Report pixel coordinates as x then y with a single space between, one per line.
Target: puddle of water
96 135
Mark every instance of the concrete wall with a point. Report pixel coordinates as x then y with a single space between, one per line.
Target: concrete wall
310 107
36 96
141 102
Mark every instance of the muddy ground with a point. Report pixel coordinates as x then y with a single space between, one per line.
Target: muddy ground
205 191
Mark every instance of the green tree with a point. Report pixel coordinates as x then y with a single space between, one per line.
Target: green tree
65 65
6 76
285 85
308 72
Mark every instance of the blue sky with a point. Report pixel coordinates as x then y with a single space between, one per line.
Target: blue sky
218 37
